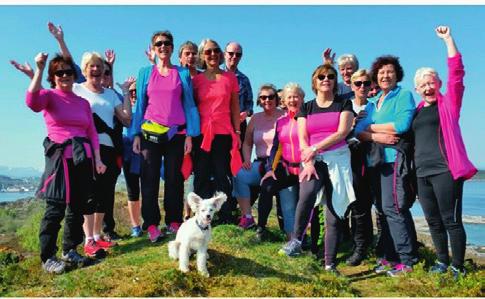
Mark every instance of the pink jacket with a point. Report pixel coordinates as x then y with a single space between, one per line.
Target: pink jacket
449 106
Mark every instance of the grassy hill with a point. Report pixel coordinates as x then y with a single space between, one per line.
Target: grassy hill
238 264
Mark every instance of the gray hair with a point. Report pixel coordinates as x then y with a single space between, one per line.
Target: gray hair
424 71
201 62
348 58
292 86
187 44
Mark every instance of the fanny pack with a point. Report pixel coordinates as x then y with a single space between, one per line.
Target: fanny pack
158 133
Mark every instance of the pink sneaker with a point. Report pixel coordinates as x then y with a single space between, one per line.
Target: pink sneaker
173 228
246 223
154 234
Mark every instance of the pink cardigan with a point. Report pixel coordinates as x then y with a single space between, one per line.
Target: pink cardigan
449 106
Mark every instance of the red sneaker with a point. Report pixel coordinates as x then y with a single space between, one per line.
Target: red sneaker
92 249
154 234
103 243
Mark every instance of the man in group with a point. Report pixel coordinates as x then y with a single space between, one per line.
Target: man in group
232 56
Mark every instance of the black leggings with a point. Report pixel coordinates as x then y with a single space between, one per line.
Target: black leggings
214 163
132 182
173 197
104 187
81 182
441 199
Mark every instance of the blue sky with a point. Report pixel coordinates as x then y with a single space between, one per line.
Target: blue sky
281 44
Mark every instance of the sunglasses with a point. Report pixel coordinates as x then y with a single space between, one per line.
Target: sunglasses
212 51
132 90
107 73
61 73
322 77
359 83
166 43
270 97
238 54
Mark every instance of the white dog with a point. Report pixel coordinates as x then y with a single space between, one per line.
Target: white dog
195 233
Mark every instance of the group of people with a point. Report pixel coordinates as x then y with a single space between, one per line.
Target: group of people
359 142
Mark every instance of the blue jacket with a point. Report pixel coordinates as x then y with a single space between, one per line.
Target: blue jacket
190 109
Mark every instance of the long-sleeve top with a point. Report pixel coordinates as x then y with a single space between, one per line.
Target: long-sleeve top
397 108
449 106
190 109
66 115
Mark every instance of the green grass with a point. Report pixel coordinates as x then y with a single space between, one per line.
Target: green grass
238 264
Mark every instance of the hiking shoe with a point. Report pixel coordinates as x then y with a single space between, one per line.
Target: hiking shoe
154 234
457 273
332 269
53 265
439 268
136 231
92 249
73 258
173 228
246 223
383 265
355 259
105 244
399 270
111 236
261 233
292 248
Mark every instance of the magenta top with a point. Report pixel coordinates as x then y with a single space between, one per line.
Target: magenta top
449 107
66 115
165 98
287 130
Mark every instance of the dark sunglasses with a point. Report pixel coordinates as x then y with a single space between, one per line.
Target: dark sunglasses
270 97
359 83
61 73
132 90
166 43
322 77
107 73
212 51
238 54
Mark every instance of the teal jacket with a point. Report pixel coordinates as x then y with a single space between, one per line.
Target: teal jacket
192 118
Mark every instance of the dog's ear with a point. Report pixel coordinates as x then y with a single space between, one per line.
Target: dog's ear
218 199
194 201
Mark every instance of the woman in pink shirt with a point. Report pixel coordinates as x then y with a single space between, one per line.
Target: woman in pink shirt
67 182
260 133
216 151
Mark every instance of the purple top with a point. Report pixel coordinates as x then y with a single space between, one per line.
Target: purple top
66 115
165 99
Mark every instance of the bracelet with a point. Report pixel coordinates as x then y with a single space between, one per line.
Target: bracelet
238 132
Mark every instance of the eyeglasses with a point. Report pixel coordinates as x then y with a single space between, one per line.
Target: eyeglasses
359 83
322 77
212 51
61 73
107 73
166 43
238 54
132 91
270 97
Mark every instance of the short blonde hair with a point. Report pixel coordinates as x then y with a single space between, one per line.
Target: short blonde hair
425 71
201 62
292 86
360 73
89 57
348 58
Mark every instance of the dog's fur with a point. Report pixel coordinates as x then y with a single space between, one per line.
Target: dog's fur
192 235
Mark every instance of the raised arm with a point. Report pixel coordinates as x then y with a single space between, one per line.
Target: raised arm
110 57
34 99
24 68
444 32
328 57
123 111
58 34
